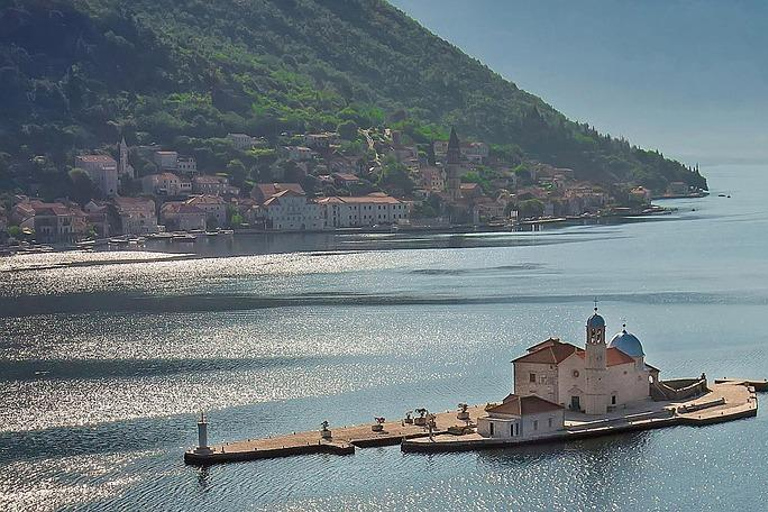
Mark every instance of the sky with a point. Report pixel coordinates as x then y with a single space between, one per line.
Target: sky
689 78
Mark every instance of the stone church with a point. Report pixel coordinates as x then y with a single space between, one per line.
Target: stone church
595 379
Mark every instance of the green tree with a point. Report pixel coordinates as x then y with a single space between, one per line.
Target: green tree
347 130
531 208
81 188
237 172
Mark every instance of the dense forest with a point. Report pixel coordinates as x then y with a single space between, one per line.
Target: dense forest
78 74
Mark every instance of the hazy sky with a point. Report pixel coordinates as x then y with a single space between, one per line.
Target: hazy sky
687 77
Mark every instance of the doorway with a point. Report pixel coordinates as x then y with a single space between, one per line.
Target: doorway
575 403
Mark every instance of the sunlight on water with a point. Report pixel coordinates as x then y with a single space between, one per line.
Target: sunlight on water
105 359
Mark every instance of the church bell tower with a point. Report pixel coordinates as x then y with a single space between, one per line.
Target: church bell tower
596 398
453 167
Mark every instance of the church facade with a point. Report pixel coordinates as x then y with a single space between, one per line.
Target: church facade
595 379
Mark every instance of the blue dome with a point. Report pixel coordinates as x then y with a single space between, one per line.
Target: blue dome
595 321
628 343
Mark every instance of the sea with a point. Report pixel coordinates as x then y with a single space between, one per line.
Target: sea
107 358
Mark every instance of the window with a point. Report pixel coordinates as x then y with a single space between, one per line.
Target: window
491 427
517 429
549 422
613 399
532 379
535 424
511 430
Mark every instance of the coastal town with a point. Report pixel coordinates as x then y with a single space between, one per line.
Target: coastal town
367 179
560 392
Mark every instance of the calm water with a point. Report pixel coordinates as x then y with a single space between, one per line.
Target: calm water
102 366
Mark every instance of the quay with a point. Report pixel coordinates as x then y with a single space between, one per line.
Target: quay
760 385
342 441
729 400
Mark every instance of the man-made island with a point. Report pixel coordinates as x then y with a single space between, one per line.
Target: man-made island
561 392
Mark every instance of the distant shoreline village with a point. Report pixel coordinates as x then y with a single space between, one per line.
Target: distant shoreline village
368 180
561 392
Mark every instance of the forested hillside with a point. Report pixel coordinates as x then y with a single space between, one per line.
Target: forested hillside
79 74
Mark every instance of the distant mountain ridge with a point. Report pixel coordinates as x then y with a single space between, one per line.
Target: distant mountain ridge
78 74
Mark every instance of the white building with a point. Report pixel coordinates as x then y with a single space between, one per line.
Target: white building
166 160
595 379
186 165
214 185
178 215
298 153
321 141
215 208
137 215
521 417
102 170
289 210
166 184
241 141
360 211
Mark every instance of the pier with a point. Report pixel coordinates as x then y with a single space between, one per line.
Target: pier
341 441
727 400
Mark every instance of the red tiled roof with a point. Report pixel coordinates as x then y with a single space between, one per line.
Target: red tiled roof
267 190
613 357
215 180
101 159
523 405
345 176
543 344
180 207
370 198
553 351
549 353
205 199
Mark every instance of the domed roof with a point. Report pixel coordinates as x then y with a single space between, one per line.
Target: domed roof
627 343
595 321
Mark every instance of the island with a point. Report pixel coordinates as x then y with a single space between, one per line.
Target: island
561 392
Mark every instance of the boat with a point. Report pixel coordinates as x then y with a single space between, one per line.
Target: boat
184 238
118 241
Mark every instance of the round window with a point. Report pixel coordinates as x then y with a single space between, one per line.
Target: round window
576 373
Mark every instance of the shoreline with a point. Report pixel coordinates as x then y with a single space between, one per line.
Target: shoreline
159 246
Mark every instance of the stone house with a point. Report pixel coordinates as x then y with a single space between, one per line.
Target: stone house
137 215
521 417
181 216
214 207
102 170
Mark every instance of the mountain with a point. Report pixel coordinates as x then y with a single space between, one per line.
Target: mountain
78 74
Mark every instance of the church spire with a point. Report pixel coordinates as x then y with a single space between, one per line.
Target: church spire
454 148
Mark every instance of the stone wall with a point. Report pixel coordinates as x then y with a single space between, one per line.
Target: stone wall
679 389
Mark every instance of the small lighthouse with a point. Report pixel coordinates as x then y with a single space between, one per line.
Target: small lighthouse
202 436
